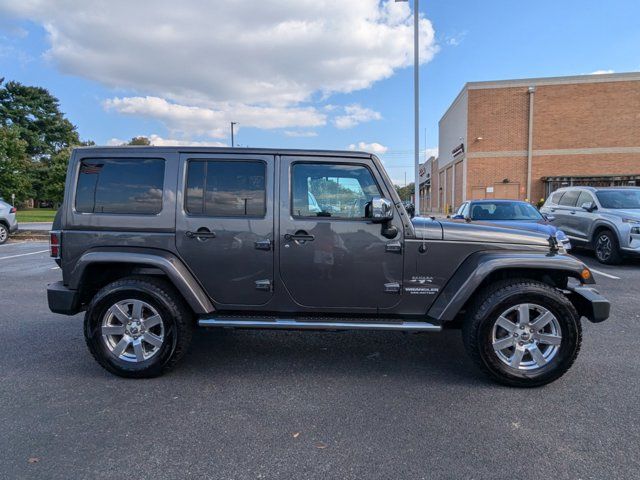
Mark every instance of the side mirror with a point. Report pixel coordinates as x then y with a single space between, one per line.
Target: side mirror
381 210
549 218
589 206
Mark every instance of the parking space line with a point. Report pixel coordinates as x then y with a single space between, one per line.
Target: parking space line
23 254
604 274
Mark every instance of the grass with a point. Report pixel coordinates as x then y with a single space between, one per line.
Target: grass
36 215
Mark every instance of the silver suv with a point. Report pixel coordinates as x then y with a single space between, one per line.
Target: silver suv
8 222
605 219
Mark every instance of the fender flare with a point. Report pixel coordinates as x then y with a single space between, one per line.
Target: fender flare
603 224
478 266
170 264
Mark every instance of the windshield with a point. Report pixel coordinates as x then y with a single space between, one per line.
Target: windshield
626 199
504 211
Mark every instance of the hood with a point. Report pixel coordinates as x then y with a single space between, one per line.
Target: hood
430 229
633 213
540 226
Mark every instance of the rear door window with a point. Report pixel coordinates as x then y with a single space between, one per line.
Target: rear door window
570 198
226 188
585 197
120 186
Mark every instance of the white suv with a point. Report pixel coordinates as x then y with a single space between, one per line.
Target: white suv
8 221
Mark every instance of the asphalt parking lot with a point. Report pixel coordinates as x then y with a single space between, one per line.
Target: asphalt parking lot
308 405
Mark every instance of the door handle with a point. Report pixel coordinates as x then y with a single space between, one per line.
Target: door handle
299 237
572 212
200 234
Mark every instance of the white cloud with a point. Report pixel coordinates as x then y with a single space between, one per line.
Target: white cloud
300 133
354 115
275 52
455 40
431 152
373 147
602 72
158 141
214 122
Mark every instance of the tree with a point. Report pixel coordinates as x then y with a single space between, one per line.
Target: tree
56 174
140 141
36 114
14 165
405 193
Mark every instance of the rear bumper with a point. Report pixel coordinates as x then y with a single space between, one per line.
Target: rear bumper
590 303
62 299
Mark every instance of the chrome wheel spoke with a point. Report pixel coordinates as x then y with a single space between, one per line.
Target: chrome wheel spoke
542 321
507 324
138 349
516 358
549 339
113 330
523 314
152 339
136 311
503 343
121 346
119 313
151 321
537 356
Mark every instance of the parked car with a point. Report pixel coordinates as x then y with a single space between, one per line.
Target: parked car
8 221
155 241
410 208
511 213
606 220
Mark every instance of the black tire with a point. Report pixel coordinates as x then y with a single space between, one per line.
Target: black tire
177 321
4 234
498 298
607 248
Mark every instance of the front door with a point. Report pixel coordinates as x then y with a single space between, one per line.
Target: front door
331 256
224 225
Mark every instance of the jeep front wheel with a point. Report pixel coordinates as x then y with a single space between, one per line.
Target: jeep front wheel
137 327
522 333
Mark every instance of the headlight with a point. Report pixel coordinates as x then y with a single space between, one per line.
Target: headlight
560 235
630 220
635 230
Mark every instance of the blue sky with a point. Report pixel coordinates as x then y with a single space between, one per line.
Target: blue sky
108 97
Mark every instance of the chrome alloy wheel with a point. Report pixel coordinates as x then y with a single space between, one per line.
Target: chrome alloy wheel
604 248
132 330
4 234
526 337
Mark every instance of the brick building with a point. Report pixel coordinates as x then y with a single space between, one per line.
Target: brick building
523 139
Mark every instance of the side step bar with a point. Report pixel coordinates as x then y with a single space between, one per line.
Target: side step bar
291 324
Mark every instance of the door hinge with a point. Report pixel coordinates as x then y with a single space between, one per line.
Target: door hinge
394 247
264 285
262 245
392 287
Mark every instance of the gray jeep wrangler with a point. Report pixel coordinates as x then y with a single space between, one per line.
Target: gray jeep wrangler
154 242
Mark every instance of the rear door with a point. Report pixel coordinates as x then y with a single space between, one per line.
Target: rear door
224 225
583 218
566 213
331 257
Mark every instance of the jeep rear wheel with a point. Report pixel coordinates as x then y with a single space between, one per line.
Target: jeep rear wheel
606 248
138 327
522 333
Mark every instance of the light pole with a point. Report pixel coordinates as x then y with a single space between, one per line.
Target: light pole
232 139
416 98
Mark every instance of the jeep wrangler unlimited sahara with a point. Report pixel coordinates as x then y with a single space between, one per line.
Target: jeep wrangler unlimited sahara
154 242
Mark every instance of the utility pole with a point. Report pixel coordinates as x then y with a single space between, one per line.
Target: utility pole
416 98
232 139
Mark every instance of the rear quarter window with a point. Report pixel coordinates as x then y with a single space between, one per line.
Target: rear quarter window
555 198
131 186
